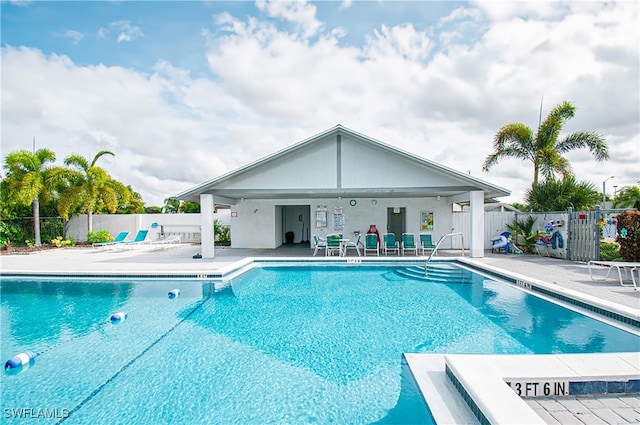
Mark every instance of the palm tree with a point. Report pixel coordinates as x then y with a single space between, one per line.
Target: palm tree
90 188
559 195
171 206
544 148
627 197
29 179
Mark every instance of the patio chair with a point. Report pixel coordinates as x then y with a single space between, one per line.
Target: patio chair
371 244
409 243
353 245
334 245
120 237
426 243
390 244
319 243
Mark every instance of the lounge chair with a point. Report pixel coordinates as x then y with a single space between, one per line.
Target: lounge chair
320 243
629 268
140 238
120 237
426 243
390 244
353 245
409 243
166 242
334 245
371 244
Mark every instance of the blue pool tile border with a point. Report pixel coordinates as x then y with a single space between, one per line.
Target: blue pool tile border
466 396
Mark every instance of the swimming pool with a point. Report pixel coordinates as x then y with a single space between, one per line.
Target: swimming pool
277 344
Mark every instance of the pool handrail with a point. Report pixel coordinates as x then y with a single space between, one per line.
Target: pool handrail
426 263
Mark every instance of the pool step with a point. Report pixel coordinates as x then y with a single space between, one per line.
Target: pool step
436 273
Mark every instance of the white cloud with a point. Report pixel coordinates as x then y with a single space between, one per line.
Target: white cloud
75 36
298 12
127 32
441 97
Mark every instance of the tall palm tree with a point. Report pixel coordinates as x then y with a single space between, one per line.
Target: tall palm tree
90 188
29 179
544 148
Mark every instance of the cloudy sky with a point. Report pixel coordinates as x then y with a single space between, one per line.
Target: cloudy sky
182 92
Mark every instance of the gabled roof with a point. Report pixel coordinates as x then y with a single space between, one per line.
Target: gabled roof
341 162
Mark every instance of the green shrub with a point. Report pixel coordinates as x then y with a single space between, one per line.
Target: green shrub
99 236
523 234
51 228
610 251
629 235
221 232
60 243
10 234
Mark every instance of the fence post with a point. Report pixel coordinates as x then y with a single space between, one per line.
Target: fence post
596 231
569 214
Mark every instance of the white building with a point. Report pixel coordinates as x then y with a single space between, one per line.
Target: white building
340 181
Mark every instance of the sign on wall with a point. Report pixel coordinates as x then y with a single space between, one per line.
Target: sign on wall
338 219
426 221
321 216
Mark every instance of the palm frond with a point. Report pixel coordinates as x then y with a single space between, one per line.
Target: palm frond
596 144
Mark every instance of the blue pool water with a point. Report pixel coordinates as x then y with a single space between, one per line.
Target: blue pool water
275 345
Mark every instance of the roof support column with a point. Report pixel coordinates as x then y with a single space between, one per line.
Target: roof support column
207 237
476 246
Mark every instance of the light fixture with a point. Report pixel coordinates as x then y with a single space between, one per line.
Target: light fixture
438 197
604 191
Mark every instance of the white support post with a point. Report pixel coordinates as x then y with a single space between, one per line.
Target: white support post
476 244
206 226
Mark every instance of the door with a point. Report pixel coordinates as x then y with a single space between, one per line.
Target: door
396 221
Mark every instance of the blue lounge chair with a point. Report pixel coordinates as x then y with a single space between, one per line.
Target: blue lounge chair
371 244
141 237
120 237
409 243
390 244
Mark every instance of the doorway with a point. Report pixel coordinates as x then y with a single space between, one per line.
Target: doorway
396 221
295 223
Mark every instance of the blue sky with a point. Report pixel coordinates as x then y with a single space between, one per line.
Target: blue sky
185 91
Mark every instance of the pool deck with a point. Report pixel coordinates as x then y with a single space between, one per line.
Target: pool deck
480 377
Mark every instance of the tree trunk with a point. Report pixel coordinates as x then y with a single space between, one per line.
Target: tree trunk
36 222
89 221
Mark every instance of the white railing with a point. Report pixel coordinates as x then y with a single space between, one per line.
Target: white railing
426 263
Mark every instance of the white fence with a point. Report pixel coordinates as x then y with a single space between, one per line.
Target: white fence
187 226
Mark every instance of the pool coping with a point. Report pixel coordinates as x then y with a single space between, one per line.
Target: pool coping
482 381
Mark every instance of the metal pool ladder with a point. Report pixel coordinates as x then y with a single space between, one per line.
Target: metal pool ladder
426 264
